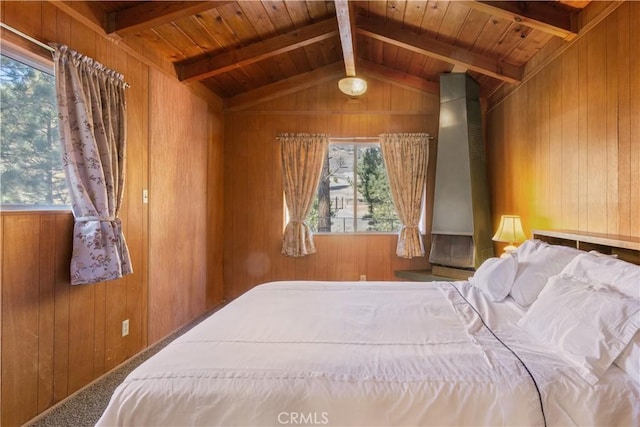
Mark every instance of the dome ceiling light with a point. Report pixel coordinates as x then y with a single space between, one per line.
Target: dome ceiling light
352 86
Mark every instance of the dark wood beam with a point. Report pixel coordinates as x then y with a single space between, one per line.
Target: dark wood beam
209 67
538 15
285 87
152 14
398 78
344 14
91 15
426 45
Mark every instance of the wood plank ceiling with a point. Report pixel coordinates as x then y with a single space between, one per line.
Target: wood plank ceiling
250 49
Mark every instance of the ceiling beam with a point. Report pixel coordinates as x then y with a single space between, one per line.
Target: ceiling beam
91 15
285 87
212 66
344 14
398 78
152 14
426 45
538 15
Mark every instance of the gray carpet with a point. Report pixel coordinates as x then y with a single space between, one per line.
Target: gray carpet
85 407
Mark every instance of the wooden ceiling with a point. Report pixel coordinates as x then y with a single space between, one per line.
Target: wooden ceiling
248 49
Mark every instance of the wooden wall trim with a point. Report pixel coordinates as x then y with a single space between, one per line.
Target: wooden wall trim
215 211
38 212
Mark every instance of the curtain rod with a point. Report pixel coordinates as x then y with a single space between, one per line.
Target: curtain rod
27 37
363 138
35 41
354 138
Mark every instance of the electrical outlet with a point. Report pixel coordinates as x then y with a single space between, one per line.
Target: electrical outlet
363 277
125 328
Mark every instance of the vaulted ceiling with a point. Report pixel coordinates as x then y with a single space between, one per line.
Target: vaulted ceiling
244 50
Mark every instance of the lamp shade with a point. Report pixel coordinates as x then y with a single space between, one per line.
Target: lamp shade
352 86
510 230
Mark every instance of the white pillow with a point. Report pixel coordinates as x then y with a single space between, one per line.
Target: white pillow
588 322
629 359
495 277
537 262
620 274
623 276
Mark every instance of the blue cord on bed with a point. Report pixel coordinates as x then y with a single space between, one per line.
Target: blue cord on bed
544 418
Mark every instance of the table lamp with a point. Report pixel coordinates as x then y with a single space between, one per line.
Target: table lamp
509 231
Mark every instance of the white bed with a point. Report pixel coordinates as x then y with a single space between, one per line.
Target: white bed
371 353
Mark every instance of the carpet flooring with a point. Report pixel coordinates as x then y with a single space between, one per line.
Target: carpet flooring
84 408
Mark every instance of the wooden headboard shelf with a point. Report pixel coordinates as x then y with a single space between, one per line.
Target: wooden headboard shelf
624 247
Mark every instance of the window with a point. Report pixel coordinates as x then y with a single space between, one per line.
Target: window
353 193
31 172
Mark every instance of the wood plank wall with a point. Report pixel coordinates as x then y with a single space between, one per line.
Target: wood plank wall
177 221
55 338
564 148
254 205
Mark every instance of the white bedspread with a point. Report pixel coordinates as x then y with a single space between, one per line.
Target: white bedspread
363 353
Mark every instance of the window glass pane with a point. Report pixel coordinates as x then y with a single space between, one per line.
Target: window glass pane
31 169
353 194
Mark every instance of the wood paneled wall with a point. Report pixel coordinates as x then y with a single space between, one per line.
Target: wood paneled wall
254 207
215 211
565 146
55 338
178 200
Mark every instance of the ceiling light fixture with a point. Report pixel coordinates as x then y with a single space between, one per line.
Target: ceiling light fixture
352 86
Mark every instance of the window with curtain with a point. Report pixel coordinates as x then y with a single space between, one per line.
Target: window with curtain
353 177
353 194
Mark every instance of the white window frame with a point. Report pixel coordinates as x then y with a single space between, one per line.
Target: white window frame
363 141
45 65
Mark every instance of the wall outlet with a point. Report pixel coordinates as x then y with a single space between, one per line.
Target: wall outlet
363 277
125 328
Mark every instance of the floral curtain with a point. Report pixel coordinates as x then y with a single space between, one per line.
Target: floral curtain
92 113
302 158
406 156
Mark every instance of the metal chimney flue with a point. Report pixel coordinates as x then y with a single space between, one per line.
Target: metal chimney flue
461 228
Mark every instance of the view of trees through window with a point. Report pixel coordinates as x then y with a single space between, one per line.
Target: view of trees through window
353 194
31 167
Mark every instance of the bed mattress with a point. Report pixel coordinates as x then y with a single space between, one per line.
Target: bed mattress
365 353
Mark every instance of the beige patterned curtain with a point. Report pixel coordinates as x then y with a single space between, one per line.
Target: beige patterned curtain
302 158
92 113
405 157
